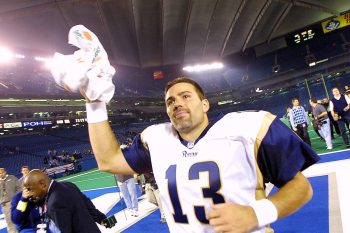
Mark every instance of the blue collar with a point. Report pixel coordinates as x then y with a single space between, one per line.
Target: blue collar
190 145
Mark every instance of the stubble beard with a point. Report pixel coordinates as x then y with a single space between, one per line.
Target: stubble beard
183 125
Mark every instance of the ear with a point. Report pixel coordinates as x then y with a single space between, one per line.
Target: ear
205 105
42 184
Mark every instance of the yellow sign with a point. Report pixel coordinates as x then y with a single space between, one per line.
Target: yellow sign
336 23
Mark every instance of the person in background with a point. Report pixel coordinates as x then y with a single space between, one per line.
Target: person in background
141 182
299 121
287 116
9 186
66 208
347 92
128 190
152 193
25 213
322 122
314 125
333 123
24 170
339 107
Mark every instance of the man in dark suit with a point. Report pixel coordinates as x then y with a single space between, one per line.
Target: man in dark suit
68 209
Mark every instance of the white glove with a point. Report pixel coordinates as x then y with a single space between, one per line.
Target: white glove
87 69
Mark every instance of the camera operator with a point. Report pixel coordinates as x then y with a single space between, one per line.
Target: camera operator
322 122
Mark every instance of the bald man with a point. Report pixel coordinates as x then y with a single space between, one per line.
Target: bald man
68 209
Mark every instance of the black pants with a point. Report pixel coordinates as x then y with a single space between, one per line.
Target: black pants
302 133
342 122
333 124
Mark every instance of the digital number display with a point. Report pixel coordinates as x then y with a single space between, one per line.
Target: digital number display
304 36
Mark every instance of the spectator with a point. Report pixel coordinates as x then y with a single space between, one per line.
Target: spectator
287 116
128 190
299 121
339 107
9 186
25 213
322 122
24 170
68 209
152 193
333 123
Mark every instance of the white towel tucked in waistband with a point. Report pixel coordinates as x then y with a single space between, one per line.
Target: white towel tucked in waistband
87 69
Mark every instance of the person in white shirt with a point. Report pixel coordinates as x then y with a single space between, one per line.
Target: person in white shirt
211 174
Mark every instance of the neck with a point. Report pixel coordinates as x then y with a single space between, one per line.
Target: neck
193 134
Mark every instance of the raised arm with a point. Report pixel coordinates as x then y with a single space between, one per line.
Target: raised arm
105 146
88 70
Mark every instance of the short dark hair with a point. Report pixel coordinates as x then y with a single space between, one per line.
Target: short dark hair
198 88
313 100
295 98
335 88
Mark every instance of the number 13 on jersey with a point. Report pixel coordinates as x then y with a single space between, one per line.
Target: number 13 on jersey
208 192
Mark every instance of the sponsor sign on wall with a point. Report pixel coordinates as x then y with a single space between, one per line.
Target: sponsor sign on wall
11 125
60 169
36 123
336 23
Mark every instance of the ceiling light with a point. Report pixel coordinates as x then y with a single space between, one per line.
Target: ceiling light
276 68
203 67
5 55
20 56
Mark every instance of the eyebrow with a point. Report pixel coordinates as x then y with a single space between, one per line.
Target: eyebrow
179 94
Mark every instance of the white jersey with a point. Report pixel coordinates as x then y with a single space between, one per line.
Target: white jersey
220 167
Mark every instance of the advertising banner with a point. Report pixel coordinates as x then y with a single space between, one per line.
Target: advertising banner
36 123
11 125
336 23
60 169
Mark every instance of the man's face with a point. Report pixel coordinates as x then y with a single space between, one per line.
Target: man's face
184 107
25 171
3 173
295 103
37 191
335 92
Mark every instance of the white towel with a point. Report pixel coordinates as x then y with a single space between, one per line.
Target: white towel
87 69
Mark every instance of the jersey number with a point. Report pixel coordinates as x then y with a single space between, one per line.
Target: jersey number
208 192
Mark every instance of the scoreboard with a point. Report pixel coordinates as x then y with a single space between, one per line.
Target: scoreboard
304 35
